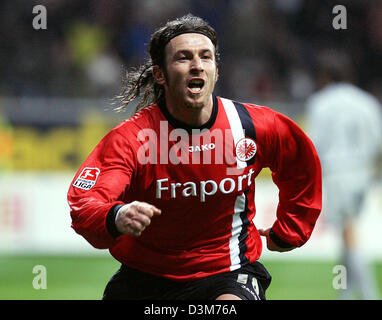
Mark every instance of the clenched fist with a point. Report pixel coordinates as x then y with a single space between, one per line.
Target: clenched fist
134 217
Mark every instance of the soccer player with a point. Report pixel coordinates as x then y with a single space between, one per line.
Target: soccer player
345 124
170 191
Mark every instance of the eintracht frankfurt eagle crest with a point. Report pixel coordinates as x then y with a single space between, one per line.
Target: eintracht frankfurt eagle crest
246 149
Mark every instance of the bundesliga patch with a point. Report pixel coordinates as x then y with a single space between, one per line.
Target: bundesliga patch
246 149
87 179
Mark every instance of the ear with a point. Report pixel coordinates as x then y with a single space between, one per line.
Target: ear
159 75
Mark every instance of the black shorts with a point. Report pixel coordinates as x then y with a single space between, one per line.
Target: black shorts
249 283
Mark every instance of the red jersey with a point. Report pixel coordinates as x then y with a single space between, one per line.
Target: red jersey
203 180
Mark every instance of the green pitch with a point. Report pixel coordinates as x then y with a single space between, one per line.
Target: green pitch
85 277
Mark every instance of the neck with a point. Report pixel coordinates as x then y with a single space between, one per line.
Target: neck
194 116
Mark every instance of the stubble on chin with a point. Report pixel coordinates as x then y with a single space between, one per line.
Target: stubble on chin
198 102
194 105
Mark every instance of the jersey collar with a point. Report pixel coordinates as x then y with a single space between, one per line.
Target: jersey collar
176 124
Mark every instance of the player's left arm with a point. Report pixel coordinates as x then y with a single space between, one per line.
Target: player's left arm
274 243
296 171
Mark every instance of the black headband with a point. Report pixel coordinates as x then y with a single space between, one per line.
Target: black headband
186 31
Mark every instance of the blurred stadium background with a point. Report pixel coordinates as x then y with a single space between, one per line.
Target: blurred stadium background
56 89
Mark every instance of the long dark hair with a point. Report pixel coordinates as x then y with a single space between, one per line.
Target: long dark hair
139 82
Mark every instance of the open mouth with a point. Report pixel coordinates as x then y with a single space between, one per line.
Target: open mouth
196 85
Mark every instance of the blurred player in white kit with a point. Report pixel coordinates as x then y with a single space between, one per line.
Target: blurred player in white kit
345 124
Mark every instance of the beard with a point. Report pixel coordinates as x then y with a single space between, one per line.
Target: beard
194 105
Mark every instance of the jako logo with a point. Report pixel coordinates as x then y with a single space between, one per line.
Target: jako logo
203 147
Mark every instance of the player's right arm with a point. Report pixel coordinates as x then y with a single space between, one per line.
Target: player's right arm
97 191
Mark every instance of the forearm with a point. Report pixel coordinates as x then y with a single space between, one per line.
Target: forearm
90 219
